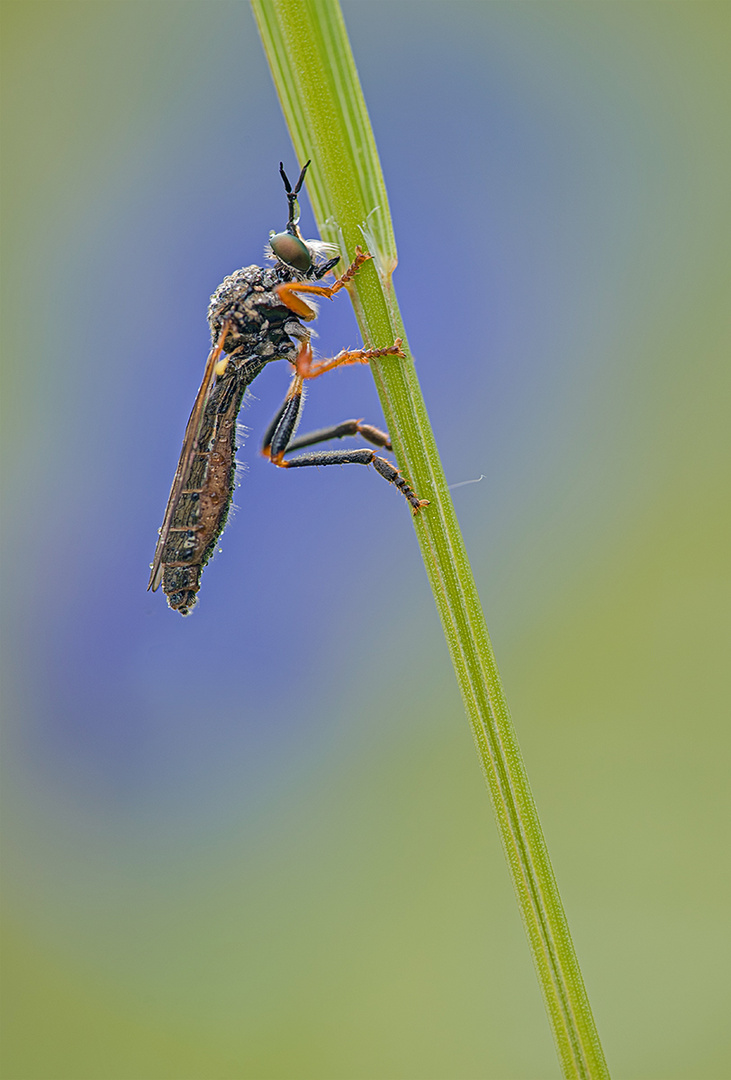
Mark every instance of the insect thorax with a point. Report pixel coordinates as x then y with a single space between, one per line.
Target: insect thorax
260 323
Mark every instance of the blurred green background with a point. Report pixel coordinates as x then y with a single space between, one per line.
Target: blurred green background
256 843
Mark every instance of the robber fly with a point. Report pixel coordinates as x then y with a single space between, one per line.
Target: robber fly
256 316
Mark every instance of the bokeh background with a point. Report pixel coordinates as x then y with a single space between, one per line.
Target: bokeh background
256 843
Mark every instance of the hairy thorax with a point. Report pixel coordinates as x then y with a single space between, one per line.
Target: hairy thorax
261 325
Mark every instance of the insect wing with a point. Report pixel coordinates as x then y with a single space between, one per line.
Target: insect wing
187 454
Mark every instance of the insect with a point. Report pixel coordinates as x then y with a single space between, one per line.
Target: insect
256 316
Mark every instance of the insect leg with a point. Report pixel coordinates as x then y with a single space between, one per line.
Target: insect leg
283 426
340 431
279 436
280 432
307 368
366 456
279 439
287 291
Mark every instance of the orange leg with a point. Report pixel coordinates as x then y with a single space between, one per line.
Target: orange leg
287 292
279 437
281 431
307 368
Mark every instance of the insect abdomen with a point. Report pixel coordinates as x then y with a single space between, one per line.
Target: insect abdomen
201 514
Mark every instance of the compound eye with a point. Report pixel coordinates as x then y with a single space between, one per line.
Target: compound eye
291 250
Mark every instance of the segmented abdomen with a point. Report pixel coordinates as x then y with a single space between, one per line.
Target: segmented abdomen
207 490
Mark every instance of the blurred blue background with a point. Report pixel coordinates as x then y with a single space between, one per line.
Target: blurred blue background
256 842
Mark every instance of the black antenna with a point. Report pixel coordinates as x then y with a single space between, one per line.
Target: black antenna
292 196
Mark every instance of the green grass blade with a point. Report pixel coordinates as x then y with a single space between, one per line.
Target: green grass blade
315 75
